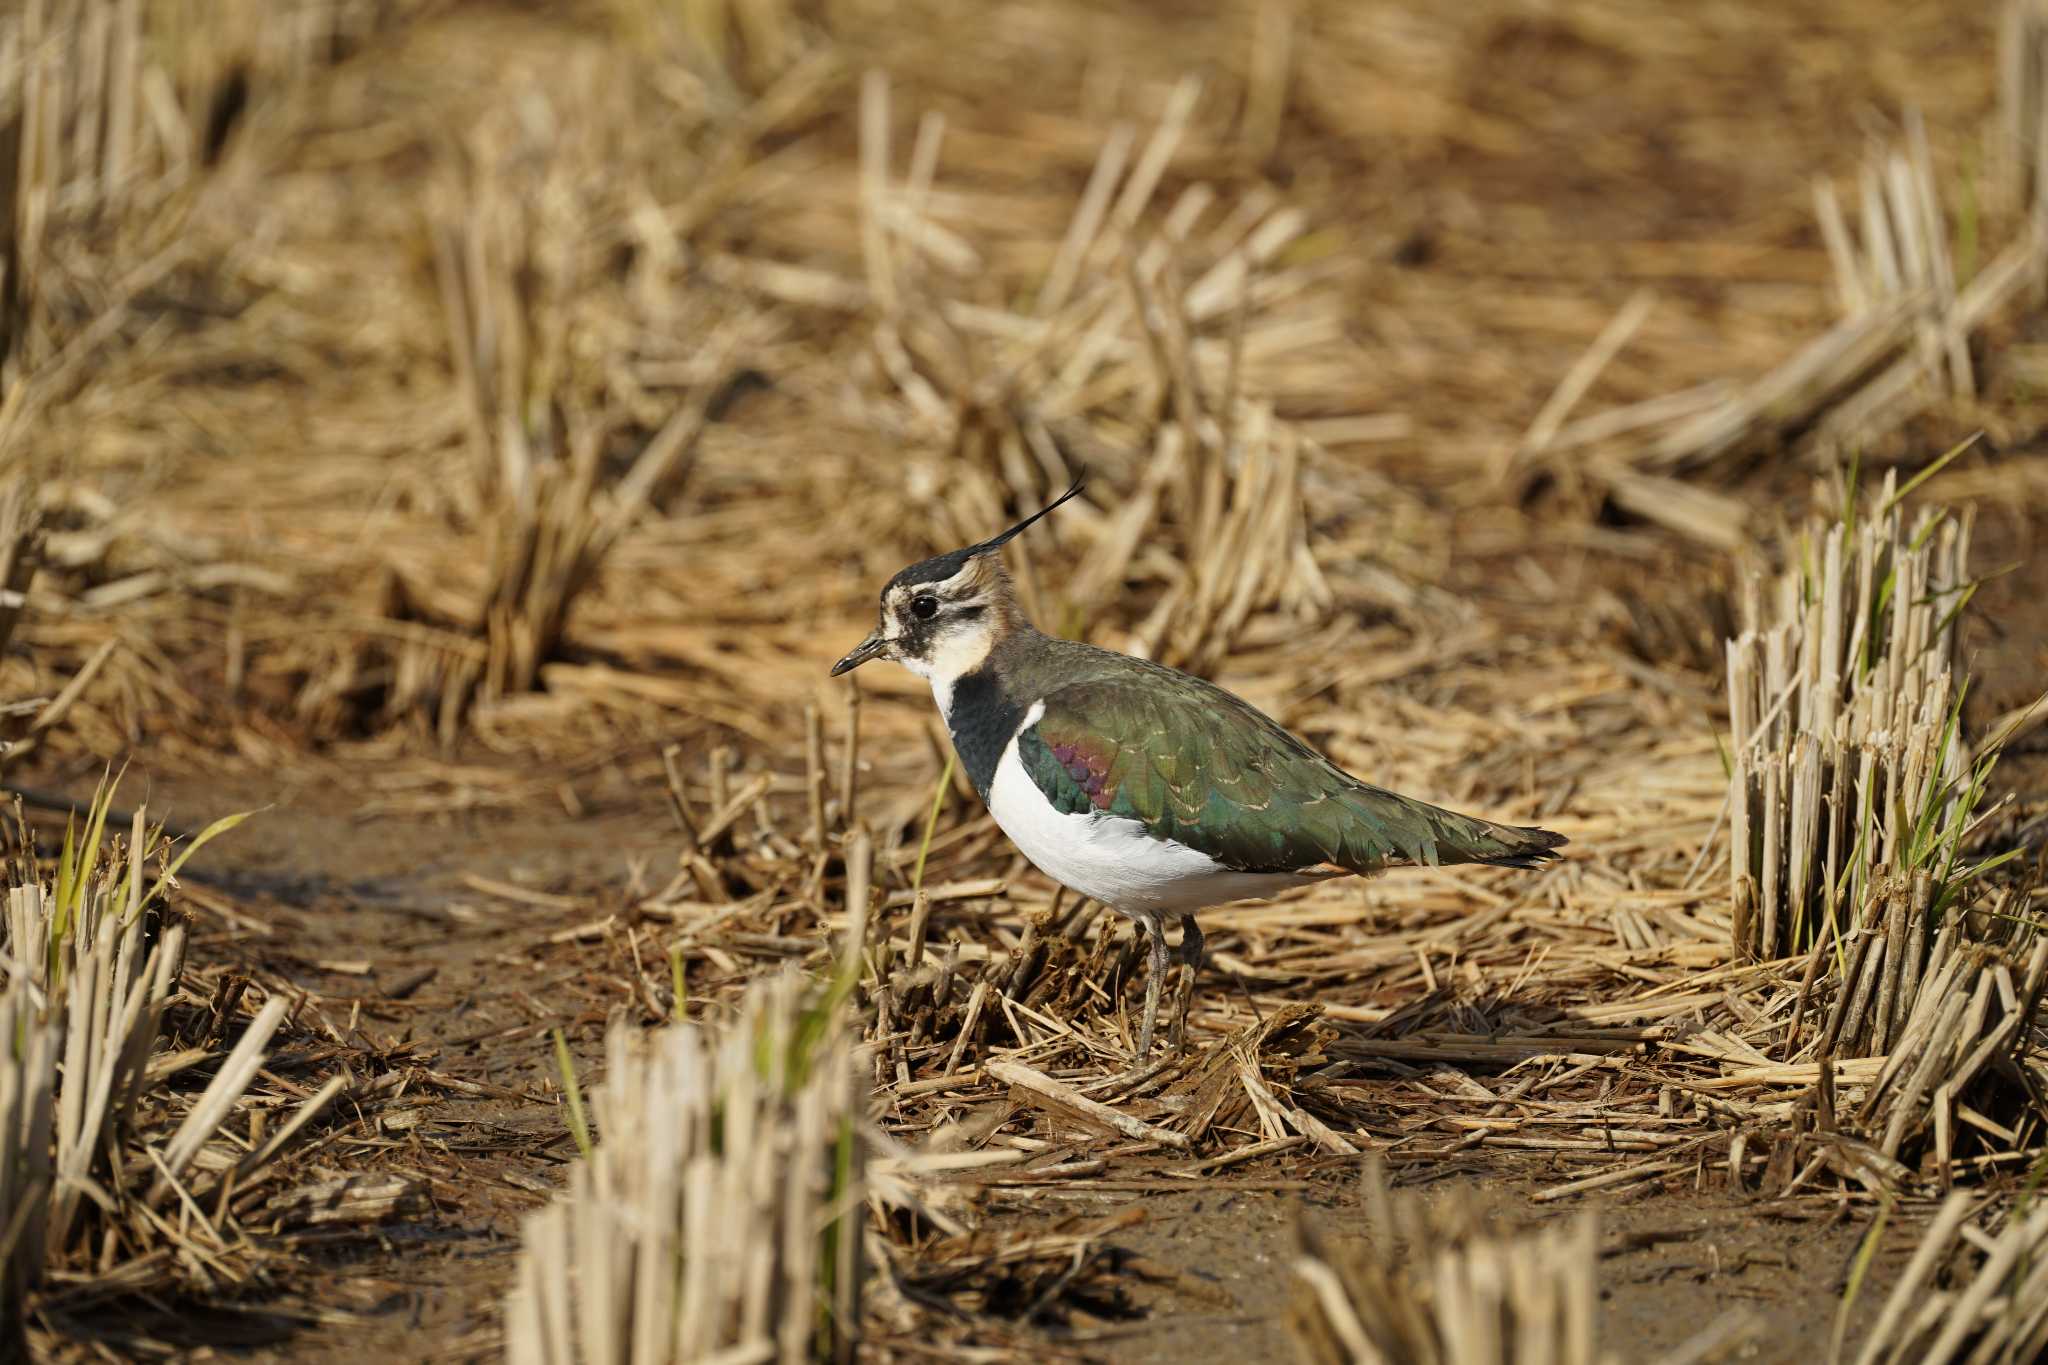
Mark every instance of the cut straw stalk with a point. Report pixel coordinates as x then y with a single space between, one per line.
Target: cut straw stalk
1436 1280
28 1082
220 1097
1222 498
89 971
1994 1308
1908 306
1044 1088
21 547
108 103
1843 747
748 1143
716 1215
515 279
1851 802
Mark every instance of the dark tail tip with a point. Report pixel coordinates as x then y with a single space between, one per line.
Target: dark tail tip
1538 847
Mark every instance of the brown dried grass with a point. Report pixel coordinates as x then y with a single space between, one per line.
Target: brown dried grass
1441 1282
125 1181
718 1214
1853 801
1976 1288
605 445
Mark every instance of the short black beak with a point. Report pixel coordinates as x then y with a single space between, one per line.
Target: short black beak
862 652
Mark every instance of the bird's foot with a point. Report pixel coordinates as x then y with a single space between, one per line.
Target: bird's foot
1190 964
1153 981
1184 996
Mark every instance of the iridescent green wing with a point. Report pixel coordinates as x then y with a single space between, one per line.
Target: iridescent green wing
1205 769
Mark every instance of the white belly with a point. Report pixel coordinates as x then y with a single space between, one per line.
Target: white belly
1113 860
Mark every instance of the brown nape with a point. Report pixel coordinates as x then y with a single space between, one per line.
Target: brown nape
986 579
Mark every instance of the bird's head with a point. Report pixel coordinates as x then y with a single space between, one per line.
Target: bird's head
941 616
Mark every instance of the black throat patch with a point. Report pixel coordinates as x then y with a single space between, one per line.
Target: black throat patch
983 718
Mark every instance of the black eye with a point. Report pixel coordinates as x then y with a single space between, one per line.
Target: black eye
924 606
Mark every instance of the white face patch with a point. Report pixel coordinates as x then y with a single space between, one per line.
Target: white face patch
958 650
947 645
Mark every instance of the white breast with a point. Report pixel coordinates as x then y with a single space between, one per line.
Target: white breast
1110 859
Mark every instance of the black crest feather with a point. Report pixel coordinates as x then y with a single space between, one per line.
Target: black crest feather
998 541
940 567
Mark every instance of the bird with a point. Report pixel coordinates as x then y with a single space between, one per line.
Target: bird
1149 790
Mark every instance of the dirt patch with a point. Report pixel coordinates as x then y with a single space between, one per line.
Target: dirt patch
325 497
384 925
1663 1254
414 928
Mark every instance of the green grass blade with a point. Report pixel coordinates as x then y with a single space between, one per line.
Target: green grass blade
579 1126
931 823
1858 1270
1940 463
199 841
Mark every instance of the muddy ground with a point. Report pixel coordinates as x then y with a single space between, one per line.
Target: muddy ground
1483 270
420 925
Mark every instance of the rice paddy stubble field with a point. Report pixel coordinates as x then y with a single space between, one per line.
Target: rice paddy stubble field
466 433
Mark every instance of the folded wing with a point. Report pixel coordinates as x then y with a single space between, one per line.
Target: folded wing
1207 770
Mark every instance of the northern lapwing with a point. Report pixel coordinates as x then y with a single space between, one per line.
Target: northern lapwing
1144 788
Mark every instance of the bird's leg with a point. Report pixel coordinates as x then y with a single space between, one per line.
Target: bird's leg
1158 933
1191 963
